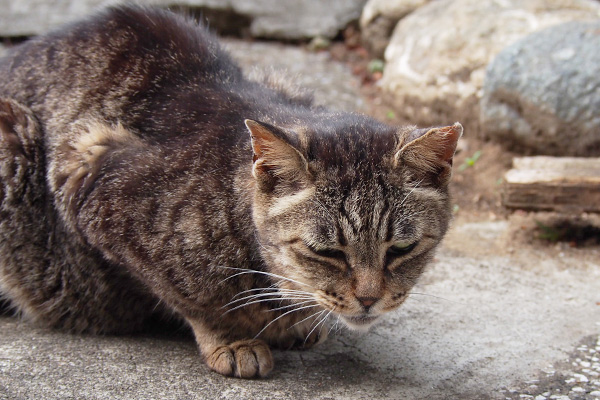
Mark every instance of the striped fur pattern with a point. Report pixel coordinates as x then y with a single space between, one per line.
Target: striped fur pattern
141 173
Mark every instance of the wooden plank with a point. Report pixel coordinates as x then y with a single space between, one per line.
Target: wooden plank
564 184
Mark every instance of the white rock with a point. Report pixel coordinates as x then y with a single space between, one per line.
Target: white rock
436 59
560 397
595 393
581 378
378 19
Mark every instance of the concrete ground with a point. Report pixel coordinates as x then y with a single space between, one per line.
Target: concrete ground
490 319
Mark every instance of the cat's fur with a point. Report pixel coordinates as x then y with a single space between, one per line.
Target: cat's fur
141 173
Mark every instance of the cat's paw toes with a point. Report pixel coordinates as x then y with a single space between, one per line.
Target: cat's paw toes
242 359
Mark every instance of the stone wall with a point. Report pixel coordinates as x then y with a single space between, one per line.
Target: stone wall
278 19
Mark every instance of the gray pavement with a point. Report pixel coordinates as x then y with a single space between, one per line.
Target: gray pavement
487 321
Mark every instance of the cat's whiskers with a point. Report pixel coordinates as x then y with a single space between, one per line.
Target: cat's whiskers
410 282
316 314
245 271
158 303
434 296
283 315
411 191
268 296
321 322
337 326
262 300
291 305
273 289
262 246
275 294
322 206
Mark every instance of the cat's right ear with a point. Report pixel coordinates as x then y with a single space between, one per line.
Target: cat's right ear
275 160
430 151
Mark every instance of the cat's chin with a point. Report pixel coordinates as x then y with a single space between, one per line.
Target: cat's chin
361 323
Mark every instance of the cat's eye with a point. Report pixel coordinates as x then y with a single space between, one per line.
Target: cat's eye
328 252
401 248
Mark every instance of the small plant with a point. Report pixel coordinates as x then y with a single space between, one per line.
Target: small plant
549 233
470 161
576 233
319 43
376 65
390 115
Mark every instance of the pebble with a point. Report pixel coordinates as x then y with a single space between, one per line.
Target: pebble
578 389
595 393
540 397
581 378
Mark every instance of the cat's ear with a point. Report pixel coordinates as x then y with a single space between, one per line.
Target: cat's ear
430 150
275 159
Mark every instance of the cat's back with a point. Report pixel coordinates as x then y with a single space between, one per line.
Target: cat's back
122 55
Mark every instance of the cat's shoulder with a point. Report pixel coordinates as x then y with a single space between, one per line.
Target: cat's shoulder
148 27
127 35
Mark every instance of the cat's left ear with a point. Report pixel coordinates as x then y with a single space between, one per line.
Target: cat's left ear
430 150
275 159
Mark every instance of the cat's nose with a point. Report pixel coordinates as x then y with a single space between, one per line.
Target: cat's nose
367 302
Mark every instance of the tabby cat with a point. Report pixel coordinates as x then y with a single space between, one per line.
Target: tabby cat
142 174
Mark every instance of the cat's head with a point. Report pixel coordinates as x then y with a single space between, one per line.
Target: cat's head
350 211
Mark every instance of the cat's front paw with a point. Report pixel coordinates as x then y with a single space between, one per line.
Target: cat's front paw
242 359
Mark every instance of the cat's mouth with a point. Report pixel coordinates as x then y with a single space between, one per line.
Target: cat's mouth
360 322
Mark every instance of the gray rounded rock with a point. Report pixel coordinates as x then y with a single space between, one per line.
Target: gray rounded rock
436 58
541 95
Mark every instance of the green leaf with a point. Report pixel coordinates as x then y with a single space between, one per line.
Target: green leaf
376 65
